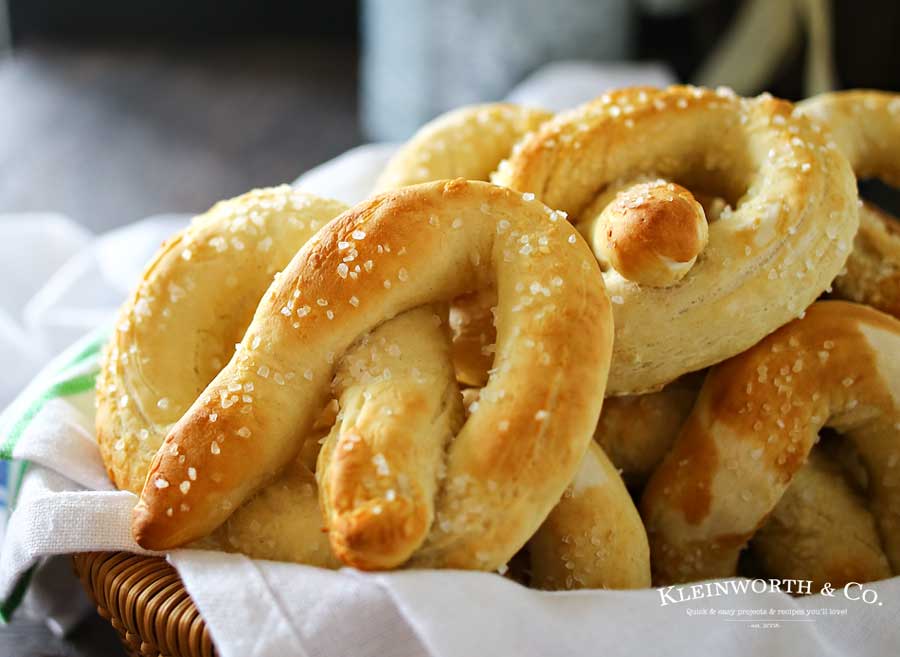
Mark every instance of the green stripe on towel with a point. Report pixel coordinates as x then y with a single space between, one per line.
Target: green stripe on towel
69 374
64 388
9 606
40 392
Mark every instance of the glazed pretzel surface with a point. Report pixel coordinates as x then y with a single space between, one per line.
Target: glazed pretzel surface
757 418
420 245
866 127
789 232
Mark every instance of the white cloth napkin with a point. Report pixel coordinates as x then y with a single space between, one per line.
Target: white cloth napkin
66 504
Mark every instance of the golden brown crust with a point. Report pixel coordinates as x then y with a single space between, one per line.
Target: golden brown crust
636 431
594 537
651 233
473 336
282 522
469 143
872 275
789 234
821 530
380 467
417 245
866 127
754 423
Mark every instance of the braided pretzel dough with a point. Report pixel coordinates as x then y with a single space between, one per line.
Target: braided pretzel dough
594 537
766 261
756 419
866 127
418 245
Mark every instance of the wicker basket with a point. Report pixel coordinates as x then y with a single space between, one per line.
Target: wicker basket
144 600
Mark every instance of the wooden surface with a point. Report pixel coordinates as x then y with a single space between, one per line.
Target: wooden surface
110 134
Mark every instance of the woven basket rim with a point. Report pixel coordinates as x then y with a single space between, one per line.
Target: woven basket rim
144 599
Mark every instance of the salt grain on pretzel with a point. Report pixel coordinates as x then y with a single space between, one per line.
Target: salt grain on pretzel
820 530
510 462
193 304
757 418
865 125
766 260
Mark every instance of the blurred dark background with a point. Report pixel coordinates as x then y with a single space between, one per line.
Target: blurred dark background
111 111
115 110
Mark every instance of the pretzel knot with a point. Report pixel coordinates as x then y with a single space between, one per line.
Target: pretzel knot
650 233
865 125
469 500
753 426
785 234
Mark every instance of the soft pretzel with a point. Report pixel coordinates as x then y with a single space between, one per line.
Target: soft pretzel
193 304
757 418
865 125
510 462
636 431
821 530
465 143
594 537
469 142
766 260
380 467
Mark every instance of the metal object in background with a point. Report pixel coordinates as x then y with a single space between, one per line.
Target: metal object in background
421 58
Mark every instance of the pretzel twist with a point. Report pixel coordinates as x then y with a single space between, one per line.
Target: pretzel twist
757 418
788 236
416 246
469 142
865 125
